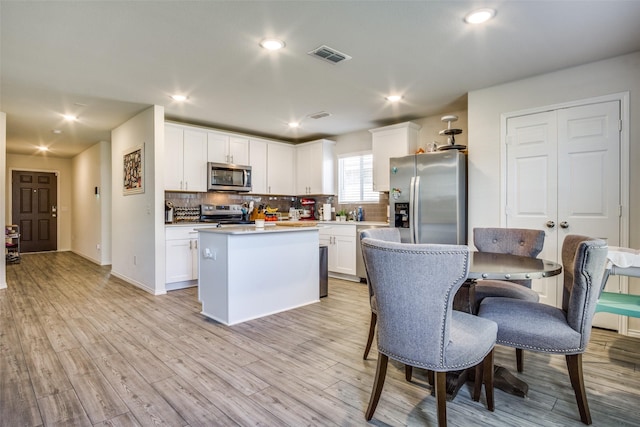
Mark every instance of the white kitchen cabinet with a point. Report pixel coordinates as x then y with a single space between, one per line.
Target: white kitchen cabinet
341 241
225 148
258 163
315 167
181 269
391 141
185 159
280 168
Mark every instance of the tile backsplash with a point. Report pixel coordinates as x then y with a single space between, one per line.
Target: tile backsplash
372 211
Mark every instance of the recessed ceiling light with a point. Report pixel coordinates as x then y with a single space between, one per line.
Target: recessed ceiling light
43 148
294 124
56 131
70 117
272 44
393 98
179 98
479 16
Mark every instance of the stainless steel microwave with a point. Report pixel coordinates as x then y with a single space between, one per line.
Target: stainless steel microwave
228 177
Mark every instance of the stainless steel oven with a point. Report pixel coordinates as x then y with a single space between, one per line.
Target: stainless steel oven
228 177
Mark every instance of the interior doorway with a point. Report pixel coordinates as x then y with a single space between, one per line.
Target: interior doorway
35 209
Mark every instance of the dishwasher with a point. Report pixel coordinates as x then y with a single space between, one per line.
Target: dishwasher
360 270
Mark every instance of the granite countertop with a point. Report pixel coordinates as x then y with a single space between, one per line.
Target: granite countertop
252 229
208 224
365 223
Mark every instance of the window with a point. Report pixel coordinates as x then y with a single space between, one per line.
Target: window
355 179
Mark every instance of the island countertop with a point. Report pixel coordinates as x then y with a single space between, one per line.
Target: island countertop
252 229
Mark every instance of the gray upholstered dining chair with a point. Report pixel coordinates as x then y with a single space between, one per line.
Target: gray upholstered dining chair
390 234
514 241
414 285
546 329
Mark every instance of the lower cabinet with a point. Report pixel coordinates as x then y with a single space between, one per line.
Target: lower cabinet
181 257
341 241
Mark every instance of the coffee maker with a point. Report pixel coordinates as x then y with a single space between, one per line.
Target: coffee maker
168 212
308 208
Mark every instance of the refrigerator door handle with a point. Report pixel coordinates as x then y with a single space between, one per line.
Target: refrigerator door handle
413 193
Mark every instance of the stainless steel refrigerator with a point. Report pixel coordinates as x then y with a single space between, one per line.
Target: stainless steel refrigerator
428 197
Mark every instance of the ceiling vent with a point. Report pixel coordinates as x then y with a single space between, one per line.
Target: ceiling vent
319 115
329 54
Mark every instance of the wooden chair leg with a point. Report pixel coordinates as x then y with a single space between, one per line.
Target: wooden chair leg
408 372
430 378
372 330
574 365
441 398
488 380
477 382
520 359
381 372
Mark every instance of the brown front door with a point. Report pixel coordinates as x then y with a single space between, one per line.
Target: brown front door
35 210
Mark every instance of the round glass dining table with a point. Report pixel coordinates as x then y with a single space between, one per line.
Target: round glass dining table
487 265
491 266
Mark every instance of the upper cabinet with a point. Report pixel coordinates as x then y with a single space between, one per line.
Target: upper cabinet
315 167
189 148
258 163
185 159
225 148
280 164
391 141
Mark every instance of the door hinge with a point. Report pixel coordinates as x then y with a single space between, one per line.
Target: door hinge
620 125
619 211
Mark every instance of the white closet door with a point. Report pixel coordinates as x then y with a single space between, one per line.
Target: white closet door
589 170
563 169
532 185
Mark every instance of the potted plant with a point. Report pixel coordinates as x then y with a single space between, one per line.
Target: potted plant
342 215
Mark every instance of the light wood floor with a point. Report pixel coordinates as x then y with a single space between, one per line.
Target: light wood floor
78 347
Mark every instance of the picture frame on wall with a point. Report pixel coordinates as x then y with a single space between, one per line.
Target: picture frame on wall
133 170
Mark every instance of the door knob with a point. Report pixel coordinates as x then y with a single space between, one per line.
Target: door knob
550 224
564 224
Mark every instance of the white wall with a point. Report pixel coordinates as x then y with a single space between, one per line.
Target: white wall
3 165
91 213
138 252
44 163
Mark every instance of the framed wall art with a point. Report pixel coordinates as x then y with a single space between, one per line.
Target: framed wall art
133 170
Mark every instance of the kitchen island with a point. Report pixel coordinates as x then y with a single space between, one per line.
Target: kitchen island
247 272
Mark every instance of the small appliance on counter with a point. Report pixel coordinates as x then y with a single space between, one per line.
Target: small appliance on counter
308 209
168 212
294 214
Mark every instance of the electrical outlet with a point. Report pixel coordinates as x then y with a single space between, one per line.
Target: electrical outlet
98 246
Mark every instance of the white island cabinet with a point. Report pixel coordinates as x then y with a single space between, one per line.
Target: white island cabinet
247 272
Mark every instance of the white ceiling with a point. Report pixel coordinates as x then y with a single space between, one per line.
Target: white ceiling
106 61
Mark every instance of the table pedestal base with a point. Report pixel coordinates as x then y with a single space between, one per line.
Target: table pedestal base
464 300
509 383
502 380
